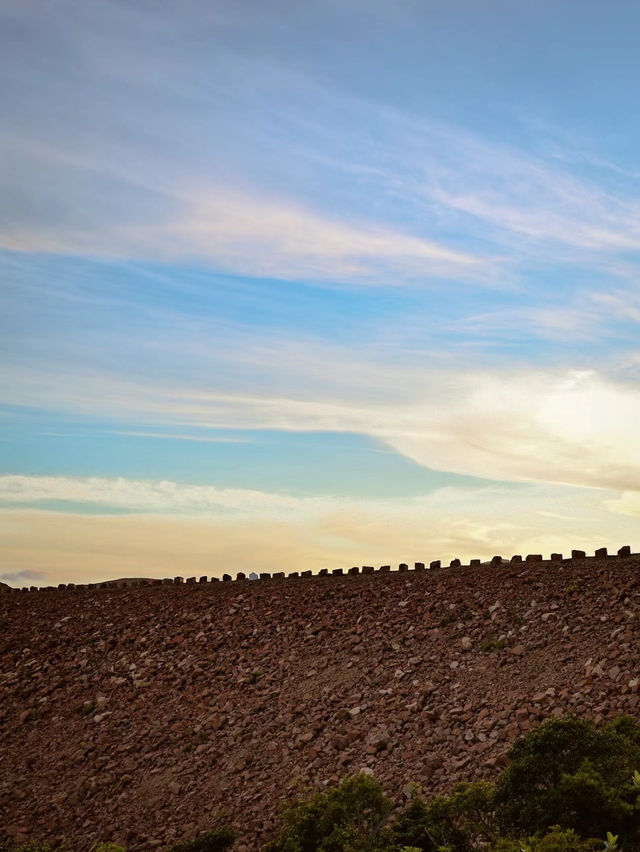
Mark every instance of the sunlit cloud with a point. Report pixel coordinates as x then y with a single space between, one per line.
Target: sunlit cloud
142 496
627 503
308 534
574 427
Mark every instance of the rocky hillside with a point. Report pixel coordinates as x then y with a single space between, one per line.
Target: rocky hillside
140 714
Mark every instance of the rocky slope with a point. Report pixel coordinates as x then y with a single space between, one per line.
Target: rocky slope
140 714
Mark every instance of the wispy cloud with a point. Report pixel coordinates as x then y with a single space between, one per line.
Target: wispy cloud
308 534
565 426
136 495
358 192
279 238
178 436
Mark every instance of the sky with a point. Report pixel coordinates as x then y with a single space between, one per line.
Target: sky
289 285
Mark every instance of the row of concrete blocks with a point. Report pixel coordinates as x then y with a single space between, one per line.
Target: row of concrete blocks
601 553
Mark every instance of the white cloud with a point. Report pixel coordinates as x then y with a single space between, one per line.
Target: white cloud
177 436
139 495
187 169
627 503
566 426
573 427
187 534
255 235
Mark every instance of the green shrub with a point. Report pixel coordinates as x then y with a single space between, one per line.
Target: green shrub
348 818
211 841
459 821
569 773
32 846
556 840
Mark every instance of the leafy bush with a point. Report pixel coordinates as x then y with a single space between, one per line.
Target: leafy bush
566 774
348 818
556 840
569 773
33 846
211 841
458 821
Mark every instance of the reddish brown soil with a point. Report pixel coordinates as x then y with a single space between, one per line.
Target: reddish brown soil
141 714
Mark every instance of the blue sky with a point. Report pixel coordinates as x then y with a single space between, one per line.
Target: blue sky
349 282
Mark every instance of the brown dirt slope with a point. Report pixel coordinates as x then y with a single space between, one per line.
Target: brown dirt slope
139 714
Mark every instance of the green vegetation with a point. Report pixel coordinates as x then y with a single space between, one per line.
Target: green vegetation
348 818
569 787
569 773
26 847
211 841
